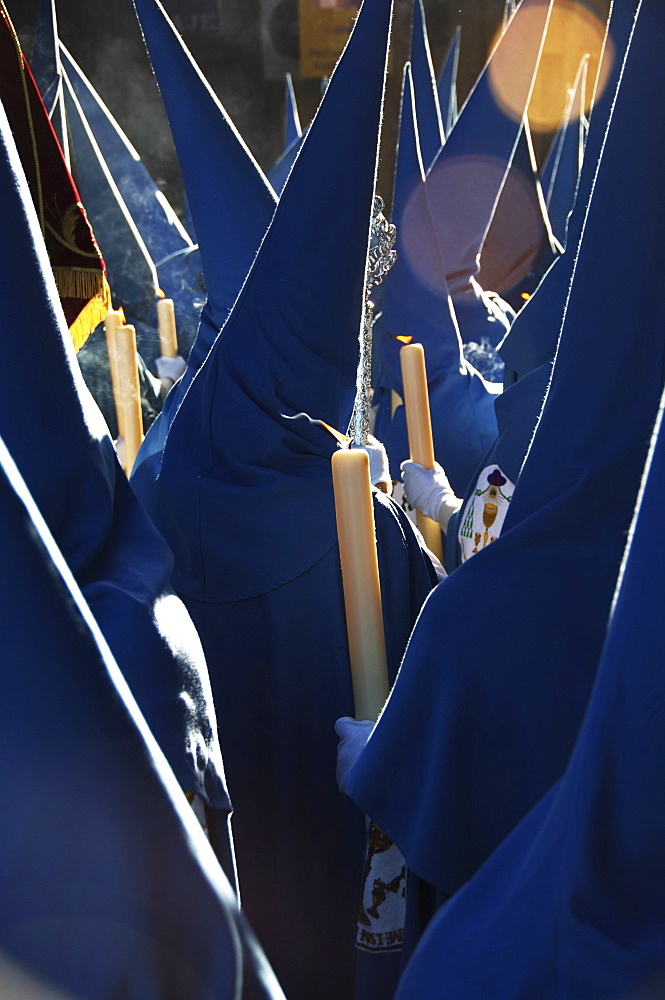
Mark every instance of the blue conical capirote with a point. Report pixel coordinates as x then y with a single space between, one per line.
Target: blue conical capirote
519 245
292 129
230 200
533 336
286 357
466 178
47 71
278 173
416 307
580 882
69 722
131 270
67 459
430 125
44 61
561 537
561 179
447 83
167 242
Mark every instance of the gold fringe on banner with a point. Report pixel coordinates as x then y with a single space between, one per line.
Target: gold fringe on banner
78 282
95 309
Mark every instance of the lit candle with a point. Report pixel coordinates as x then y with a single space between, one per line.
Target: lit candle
360 578
168 337
130 394
419 428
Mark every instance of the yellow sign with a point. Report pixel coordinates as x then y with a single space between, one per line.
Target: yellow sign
325 26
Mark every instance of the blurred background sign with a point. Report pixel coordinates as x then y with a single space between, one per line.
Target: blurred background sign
324 28
196 15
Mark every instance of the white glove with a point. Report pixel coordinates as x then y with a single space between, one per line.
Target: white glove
379 469
429 491
170 370
353 735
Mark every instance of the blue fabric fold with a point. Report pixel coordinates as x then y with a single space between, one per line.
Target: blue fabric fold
175 257
66 457
447 82
109 884
466 178
230 200
571 903
498 671
243 492
416 307
430 124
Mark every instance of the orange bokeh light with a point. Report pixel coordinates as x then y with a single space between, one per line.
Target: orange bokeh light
573 31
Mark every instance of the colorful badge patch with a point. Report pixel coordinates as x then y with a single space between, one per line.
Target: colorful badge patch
383 905
485 512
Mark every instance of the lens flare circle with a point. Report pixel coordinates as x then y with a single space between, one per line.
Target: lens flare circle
573 31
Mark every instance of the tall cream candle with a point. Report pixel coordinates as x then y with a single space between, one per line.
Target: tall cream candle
360 577
419 428
168 337
130 394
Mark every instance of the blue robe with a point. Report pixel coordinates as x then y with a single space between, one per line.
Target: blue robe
571 903
108 885
281 676
67 459
243 492
416 307
498 671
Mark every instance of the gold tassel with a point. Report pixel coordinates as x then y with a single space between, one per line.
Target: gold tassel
78 282
92 314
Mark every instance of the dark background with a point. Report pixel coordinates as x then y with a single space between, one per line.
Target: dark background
104 38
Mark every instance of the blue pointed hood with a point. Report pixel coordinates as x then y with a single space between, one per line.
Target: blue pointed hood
169 245
47 71
560 179
44 61
246 438
580 882
292 129
533 336
478 698
550 160
131 270
416 306
466 178
67 459
155 218
293 140
230 200
577 888
519 246
281 169
82 769
430 125
447 83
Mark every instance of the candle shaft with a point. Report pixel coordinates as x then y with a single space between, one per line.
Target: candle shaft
360 577
419 429
168 337
130 394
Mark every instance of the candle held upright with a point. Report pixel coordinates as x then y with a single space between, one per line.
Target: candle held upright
419 429
360 577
